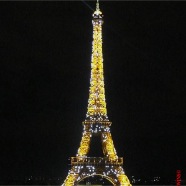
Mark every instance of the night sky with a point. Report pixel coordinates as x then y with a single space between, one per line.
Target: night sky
45 52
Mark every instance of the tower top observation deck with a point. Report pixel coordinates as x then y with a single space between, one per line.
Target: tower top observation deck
97 12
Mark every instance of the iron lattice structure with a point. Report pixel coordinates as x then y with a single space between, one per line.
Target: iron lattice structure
97 123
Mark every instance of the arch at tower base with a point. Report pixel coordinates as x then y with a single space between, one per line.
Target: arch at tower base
112 173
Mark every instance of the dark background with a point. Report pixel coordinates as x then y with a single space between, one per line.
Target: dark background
45 52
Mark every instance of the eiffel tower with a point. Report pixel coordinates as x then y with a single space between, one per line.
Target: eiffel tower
97 124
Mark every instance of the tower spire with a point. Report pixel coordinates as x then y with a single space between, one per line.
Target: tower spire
97 5
97 11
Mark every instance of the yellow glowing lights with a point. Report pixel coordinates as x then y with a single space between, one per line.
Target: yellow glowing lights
96 102
84 145
124 181
108 146
97 123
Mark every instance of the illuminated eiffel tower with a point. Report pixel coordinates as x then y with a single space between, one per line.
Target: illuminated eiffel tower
97 124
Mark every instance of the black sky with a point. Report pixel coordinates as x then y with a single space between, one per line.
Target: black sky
45 51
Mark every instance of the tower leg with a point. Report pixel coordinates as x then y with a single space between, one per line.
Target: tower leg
70 179
108 146
123 180
85 144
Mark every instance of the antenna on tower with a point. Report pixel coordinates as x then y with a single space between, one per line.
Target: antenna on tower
97 5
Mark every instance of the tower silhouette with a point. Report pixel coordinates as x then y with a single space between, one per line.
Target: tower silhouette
108 166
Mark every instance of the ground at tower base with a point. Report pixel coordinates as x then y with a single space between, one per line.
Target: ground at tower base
51 181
